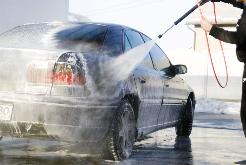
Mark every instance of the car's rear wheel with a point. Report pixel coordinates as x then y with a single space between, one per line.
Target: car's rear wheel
122 133
184 127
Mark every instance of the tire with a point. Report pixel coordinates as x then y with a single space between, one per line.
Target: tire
121 136
184 127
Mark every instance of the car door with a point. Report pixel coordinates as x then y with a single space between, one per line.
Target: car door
161 62
175 96
149 86
174 89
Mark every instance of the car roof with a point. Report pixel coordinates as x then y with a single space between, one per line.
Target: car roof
44 35
108 25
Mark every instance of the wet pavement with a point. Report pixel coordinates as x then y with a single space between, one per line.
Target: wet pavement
215 140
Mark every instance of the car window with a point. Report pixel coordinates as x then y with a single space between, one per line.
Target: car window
113 42
145 38
134 39
147 62
127 45
81 37
83 32
159 58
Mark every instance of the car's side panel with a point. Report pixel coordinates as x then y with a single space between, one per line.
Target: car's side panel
175 90
175 97
150 91
149 86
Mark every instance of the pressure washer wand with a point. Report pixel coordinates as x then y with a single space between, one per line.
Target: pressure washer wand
200 3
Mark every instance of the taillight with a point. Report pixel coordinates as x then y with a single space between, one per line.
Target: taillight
39 72
67 70
65 75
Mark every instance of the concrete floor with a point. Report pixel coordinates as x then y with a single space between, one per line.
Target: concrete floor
215 140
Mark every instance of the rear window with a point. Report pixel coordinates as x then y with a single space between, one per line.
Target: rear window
83 38
74 37
113 43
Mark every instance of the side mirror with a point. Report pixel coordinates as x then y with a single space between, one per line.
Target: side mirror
180 69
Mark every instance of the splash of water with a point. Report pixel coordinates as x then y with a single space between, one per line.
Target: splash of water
121 67
108 73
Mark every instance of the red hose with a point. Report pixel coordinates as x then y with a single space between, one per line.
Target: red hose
222 50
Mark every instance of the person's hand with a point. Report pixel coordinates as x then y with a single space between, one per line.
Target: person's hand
206 25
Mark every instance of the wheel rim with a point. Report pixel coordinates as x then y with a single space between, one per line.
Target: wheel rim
126 132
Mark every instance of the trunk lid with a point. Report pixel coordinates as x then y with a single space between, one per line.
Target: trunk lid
26 71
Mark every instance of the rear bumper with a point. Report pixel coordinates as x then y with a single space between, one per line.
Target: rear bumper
70 119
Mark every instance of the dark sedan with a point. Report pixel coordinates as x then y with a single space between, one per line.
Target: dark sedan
67 81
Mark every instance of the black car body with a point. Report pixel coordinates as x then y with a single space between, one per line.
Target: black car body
54 83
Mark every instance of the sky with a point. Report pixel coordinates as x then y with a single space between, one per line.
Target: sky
151 17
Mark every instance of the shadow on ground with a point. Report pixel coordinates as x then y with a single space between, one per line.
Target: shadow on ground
177 154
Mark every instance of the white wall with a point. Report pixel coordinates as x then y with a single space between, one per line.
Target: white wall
17 12
200 75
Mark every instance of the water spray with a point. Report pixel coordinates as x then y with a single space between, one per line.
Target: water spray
200 3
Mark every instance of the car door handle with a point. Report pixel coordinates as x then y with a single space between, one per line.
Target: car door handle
142 81
167 85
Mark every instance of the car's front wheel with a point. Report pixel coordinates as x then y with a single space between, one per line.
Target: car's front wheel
122 133
184 127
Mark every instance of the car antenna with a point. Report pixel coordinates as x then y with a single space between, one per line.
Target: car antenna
200 3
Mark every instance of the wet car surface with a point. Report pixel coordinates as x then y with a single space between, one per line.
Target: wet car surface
90 82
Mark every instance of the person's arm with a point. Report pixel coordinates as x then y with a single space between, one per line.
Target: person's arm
237 37
233 2
224 35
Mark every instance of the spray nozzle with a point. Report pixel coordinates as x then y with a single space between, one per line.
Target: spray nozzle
185 15
160 36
